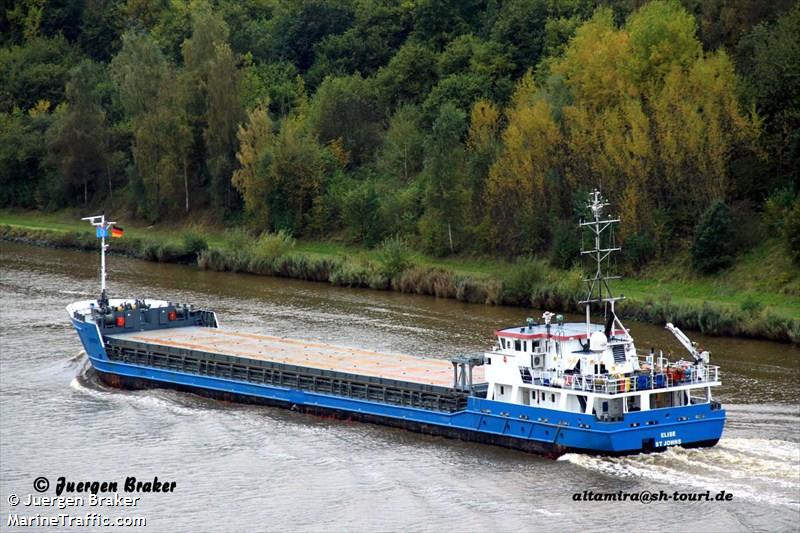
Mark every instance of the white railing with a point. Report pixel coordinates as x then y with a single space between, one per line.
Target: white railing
671 376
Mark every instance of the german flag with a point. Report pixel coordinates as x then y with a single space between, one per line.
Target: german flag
116 232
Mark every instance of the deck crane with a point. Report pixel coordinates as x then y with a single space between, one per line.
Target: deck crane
700 356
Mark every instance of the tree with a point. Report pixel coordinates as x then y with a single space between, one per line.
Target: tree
360 214
290 174
27 180
347 109
403 149
299 27
460 90
594 63
255 137
38 70
662 36
518 194
442 227
138 71
179 134
275 83
650 117
379 29
224 113
721 23
714 245
211 79
770 59
78 143
483 146
101 25
520 28
160 153
155 102
439 21
409 75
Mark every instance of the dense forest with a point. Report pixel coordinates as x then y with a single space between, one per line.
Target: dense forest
461 126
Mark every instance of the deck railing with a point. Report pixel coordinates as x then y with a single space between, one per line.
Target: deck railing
671 376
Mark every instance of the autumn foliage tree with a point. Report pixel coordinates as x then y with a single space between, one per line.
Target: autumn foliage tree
459 127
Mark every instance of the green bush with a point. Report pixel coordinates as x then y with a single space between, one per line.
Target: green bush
776 208
268 249
435 234
226 260
150 249
394 256
638 250
193 243
351 274
714 244
791 231
559 291
238 239
212 259
566 247
432 281
477 291
752 306
521 279
361 214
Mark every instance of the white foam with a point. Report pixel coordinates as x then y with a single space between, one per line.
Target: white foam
759 476
774 448
546 512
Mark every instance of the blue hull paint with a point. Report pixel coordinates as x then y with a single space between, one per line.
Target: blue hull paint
516 426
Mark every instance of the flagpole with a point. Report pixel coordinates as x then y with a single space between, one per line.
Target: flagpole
103 257
99 222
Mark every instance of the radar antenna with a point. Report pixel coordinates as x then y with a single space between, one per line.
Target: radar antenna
602 231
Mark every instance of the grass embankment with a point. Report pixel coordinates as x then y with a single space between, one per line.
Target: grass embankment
758 298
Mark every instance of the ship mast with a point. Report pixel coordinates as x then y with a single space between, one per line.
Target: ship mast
101 225
599 288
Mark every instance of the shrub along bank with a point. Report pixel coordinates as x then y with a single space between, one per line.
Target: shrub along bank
393 266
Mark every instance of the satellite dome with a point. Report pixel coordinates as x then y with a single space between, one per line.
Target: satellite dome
598 341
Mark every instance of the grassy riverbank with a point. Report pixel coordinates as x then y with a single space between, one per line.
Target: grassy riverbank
757 298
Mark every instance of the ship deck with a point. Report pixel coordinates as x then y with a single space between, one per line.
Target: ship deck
424 370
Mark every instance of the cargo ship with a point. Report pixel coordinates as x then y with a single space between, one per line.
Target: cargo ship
546 386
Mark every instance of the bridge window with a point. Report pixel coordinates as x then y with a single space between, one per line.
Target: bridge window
518 345
502 390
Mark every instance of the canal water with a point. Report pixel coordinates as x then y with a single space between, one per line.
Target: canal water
248 468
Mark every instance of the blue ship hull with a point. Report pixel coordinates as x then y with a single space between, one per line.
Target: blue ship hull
547 431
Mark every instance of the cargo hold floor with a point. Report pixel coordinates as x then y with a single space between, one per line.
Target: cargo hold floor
304 353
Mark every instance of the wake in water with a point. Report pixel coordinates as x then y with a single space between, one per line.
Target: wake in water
756 469
87 382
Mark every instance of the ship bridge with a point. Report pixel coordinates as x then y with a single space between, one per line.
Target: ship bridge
564 332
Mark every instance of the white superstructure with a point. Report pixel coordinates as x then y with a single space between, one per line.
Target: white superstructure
591 368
